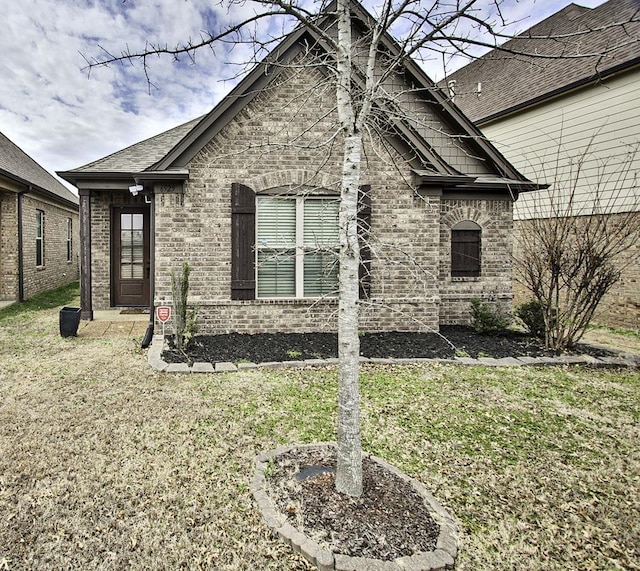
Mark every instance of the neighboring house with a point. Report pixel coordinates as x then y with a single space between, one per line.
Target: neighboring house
573 122
39 229
248 195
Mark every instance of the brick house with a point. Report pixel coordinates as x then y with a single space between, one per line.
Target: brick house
248 196
548 116
39 227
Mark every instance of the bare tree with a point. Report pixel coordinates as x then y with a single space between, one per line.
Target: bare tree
571 251
361 66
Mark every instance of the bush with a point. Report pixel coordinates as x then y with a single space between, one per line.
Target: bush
185 318
487 318
532 316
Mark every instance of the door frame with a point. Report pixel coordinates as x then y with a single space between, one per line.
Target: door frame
116 211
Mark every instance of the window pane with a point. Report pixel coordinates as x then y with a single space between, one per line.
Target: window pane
131 246
276 222
320 222
276 273
320 273
39 238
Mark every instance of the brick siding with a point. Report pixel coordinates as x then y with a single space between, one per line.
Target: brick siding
8 247
56 270
409 242
494 283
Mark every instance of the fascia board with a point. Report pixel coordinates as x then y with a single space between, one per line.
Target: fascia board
34 188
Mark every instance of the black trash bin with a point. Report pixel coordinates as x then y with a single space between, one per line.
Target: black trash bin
69 321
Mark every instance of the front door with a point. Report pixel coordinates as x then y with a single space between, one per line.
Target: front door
130 256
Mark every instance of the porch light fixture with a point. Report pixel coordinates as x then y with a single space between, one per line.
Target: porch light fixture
135 189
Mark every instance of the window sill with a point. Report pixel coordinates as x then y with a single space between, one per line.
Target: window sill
466 279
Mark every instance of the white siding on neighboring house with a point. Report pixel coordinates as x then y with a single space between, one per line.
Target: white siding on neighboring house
547 143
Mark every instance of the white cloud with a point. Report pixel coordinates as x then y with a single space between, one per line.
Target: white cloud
65 117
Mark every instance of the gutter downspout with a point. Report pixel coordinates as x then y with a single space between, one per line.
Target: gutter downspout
20 245
148 336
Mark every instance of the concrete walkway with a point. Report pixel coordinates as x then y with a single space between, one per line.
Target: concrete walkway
114 324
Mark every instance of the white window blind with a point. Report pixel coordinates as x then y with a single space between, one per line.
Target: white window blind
320 243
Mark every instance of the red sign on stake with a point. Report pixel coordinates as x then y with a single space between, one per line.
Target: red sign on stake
163 313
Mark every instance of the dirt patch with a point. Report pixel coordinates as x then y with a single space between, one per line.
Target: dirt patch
388 521
451 341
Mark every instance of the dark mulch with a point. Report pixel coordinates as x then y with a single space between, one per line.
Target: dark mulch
452 340
389 520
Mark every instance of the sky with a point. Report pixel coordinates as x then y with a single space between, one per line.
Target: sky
64 115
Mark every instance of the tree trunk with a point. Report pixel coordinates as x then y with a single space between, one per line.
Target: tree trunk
349 468
349 465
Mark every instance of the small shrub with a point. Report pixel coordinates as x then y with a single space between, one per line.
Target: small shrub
532 316
488 318
185 318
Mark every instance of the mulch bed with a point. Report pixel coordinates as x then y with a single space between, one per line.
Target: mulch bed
388 521
452 340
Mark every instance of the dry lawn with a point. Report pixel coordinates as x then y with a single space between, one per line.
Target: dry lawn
106 464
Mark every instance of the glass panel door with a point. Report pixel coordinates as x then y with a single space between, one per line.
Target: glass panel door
130 262
131 246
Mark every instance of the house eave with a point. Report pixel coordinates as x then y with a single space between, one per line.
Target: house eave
38 189
121 180
466 183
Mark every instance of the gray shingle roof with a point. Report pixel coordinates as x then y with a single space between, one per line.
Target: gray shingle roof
142 155
16 164
510 80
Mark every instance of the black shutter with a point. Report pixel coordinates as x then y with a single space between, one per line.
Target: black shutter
364 233
465 253
243 237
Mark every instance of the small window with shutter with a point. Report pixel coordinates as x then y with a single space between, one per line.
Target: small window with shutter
465 249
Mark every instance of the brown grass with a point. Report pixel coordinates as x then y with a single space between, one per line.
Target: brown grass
106 464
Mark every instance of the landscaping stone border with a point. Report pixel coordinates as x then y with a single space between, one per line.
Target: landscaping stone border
441 558
154 358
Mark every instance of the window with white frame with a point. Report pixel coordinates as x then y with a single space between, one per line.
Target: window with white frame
297 246
69 239
39 238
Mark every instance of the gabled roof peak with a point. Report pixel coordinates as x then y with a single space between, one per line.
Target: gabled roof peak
178 150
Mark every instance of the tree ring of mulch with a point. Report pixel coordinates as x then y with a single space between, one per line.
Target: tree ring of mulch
396 522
